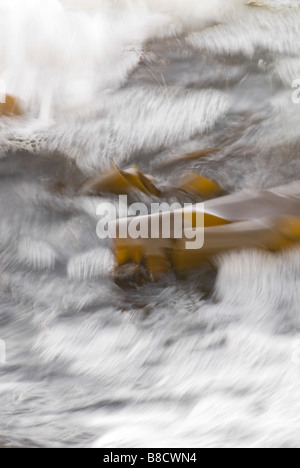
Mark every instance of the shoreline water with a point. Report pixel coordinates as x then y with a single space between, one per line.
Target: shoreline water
210 359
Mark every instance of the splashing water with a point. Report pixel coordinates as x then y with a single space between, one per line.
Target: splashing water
211 360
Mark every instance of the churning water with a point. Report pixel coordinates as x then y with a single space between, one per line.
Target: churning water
209 360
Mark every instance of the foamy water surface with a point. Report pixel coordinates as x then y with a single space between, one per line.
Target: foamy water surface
209 360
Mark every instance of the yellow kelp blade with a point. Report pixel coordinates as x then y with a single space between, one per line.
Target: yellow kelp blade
119 182
10 107
267 219
289 228
124 182
210 220
111 181
140 181
200 186
273 234
148 252
257 4
153 251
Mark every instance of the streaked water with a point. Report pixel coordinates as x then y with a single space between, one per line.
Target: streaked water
209 360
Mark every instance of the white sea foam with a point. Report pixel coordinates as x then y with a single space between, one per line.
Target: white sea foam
56 55
200 362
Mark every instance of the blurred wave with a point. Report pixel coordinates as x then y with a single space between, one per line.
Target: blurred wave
204 361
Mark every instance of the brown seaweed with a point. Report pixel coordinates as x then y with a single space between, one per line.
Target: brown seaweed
120 182
11 107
